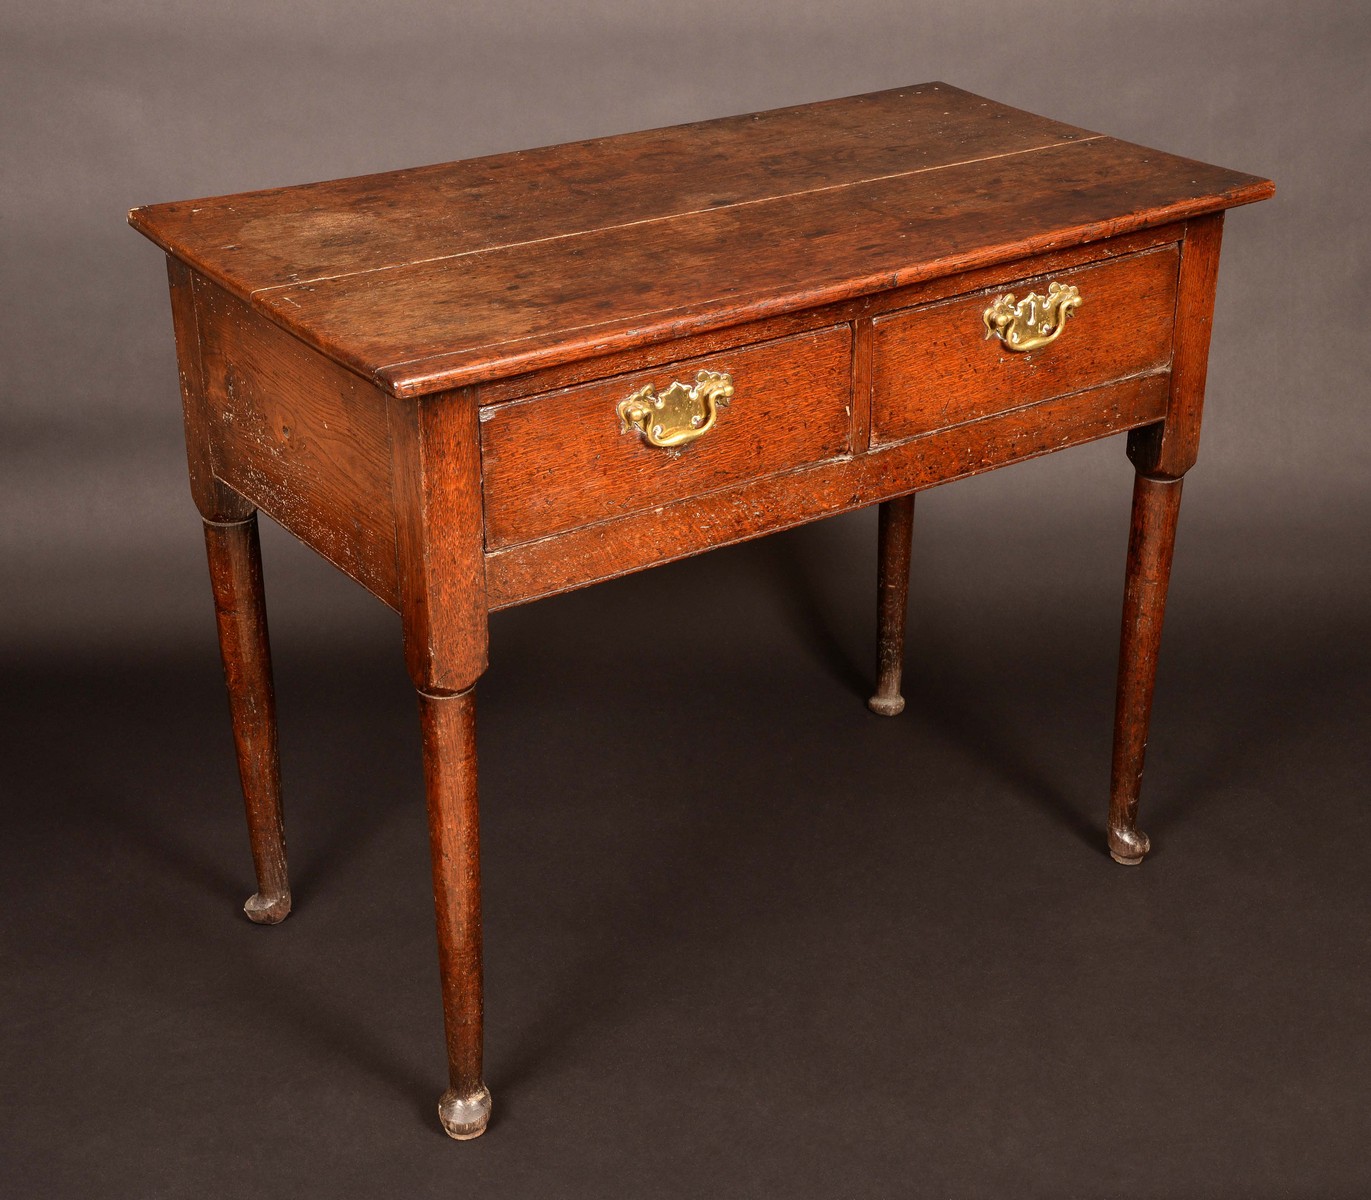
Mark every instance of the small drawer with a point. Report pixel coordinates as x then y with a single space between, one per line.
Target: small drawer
935 367
565 459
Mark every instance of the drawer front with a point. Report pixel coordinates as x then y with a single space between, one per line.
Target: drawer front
934 367
567 459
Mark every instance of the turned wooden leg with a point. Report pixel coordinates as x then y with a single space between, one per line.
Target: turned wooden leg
436 469
449 731
235 570
1151 540
895 532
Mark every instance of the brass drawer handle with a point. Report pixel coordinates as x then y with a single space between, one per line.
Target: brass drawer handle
1035 320
678 415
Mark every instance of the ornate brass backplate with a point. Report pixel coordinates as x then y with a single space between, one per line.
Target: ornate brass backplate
1035 320
678 415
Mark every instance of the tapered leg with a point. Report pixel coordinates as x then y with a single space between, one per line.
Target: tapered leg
449 731
235 569
1151 540
895 533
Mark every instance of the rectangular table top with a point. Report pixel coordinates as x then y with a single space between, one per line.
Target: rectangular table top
458 273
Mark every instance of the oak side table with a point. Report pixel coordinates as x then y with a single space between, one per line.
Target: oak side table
475 384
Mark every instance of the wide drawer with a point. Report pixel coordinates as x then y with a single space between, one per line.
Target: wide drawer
565 459
935 367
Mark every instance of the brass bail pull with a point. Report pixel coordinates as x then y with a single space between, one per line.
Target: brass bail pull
1035 320
678 415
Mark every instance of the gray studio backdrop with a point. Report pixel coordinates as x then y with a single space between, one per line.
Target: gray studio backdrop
820 953
108 105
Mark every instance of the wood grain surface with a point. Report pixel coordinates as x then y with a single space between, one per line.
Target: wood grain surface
436 457
442 276
894 531
927 291
554 462
300 437
1169 450
216 501
448 726
934 367
612 548
1147 575
240 610
299 234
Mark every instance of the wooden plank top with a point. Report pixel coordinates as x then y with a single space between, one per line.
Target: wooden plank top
458 273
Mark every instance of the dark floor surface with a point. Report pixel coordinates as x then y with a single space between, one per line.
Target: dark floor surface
743 938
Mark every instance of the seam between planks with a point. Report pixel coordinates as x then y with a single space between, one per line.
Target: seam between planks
691 212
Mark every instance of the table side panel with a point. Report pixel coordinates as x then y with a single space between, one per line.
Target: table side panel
934 366
299 436
216 501
555 462
751 509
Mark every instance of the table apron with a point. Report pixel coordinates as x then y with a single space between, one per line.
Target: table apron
758 507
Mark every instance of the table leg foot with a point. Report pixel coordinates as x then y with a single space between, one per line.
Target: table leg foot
886 706
464 1117
1128 847
264 908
